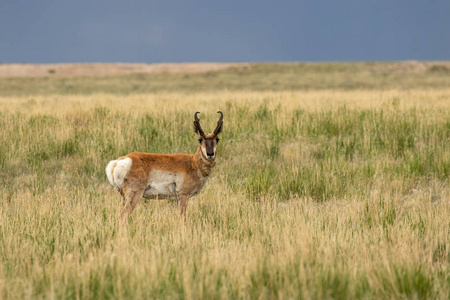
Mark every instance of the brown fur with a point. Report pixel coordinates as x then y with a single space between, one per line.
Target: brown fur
194 168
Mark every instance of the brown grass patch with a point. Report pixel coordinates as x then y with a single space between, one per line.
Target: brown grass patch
412 66
108 69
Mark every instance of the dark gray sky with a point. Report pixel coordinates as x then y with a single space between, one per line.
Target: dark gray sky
60 31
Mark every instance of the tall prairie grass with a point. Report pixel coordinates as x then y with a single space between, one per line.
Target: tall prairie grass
316 195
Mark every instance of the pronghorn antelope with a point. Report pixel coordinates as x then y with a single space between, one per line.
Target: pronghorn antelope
165 176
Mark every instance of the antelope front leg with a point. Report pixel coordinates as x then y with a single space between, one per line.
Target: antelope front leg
173 189
184 201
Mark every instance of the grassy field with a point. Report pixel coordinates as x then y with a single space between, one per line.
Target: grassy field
246 77
326 190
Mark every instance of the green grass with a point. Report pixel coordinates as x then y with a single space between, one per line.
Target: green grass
316 195
348 148
255 77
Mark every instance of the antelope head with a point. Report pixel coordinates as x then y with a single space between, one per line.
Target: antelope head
208 142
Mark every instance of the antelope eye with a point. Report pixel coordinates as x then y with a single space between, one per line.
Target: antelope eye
217 140
200 140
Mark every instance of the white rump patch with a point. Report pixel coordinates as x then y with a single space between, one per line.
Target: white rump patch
117 170
109 169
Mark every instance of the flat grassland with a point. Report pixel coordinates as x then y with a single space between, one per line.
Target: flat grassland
332 182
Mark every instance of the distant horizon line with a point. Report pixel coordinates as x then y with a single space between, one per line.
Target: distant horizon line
220 62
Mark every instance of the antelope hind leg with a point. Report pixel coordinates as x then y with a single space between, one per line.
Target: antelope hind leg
124 199
132 199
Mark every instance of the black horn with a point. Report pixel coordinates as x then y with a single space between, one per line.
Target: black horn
219 124
197 128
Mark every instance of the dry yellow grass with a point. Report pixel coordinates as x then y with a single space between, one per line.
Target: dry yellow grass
166 102
111 69
385 236
105 69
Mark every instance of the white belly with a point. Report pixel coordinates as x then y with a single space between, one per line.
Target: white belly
163 185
